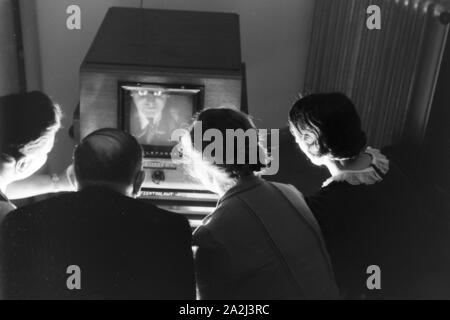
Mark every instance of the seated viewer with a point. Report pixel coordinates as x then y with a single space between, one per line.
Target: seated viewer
367 209
262 241
125 248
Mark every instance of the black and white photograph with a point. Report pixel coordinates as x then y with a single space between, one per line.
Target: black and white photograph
226 157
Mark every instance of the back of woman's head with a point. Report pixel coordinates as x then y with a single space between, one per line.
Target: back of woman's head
27 122
329 125
241 152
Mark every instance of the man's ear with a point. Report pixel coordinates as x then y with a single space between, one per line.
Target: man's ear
138 182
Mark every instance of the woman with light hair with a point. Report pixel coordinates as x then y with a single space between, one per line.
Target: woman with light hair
261 242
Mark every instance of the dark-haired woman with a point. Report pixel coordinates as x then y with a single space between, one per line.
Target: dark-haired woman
365 209
262 242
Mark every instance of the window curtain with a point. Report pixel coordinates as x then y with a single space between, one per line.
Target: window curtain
388 73
10 80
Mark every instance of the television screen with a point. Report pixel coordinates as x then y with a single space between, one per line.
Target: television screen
152 112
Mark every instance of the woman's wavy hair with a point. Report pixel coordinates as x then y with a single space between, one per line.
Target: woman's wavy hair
332 122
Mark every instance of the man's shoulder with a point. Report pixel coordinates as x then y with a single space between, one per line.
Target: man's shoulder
150 211
79 203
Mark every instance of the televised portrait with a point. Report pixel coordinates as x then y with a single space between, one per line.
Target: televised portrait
154 113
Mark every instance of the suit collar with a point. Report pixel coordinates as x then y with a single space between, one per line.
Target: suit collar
102 190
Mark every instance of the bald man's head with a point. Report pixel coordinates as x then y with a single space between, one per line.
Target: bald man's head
108 156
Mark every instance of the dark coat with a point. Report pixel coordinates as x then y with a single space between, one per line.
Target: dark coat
125 249
259 245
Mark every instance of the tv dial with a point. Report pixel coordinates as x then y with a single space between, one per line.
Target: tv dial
158 176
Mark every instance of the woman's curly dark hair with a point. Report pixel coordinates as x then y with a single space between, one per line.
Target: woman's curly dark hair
333 122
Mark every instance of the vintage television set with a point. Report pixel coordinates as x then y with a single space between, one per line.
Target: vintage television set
148 72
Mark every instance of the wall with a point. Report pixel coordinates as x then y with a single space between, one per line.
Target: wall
275 43
9 80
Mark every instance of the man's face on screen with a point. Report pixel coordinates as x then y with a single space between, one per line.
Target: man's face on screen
150 104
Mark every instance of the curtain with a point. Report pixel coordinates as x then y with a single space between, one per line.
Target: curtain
383 70
9 65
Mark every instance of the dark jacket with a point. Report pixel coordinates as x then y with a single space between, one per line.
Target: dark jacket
260 245
5 206
125 249
382 225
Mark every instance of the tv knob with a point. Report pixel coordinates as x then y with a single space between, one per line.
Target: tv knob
158 176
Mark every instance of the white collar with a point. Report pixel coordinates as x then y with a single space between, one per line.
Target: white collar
369 176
